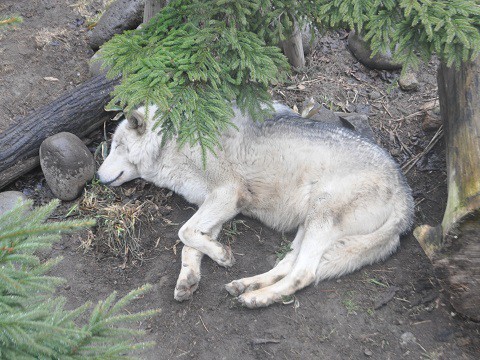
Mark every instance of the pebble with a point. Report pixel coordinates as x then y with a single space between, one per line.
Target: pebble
432 120
375 95
407 338
67 165
408 81
368 352
9 199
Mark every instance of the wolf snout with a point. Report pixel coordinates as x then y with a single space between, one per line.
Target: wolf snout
107 182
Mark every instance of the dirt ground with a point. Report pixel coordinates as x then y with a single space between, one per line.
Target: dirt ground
392 310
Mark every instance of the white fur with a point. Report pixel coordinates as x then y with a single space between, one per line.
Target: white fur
344 194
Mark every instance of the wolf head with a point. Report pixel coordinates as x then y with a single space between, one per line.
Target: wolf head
133 148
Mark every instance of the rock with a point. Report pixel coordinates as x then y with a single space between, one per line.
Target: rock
361 50
120 16
368 352
353 121
9 199
67 165
309 39
407 338
408 81
432 120
95 65
374 95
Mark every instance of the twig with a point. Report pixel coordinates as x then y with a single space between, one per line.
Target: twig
409 116
411 163
203 323
421 322
264 341
388 112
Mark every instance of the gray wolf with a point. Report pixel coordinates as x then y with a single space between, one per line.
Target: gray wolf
345 196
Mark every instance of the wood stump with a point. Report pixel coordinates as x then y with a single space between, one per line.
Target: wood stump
454 245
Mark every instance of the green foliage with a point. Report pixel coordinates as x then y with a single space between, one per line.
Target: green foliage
33 321
194 57
410 29
10 20
191 60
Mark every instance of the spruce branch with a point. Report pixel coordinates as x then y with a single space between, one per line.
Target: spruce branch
33 322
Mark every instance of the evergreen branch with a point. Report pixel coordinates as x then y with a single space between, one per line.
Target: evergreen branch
34 325
10 20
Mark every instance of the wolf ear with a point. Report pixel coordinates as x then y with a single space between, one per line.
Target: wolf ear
136 121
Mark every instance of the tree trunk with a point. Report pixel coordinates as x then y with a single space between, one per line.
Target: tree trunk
151 8
79 111
293 48
454 246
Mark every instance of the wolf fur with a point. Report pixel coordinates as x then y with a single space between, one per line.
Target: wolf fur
344 195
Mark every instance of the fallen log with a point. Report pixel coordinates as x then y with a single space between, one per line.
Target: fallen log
79 111
454 245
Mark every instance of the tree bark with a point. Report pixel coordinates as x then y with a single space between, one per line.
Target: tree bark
454 245
152 7
79 111
293 48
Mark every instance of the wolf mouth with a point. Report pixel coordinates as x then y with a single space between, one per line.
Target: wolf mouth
111 181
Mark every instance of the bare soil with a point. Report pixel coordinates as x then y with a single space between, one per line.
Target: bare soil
392 310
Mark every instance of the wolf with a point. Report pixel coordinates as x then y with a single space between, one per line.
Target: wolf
344 195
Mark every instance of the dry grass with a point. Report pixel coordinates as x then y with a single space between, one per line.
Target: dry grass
91 10
118 220
47 36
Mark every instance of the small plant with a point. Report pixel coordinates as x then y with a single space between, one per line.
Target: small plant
285 248
350 303
34 323
231 229
376 282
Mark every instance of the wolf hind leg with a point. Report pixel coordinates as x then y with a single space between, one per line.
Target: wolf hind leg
280 270
353 252
320 234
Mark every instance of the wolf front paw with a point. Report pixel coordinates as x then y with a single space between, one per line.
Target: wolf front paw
227 259
186 286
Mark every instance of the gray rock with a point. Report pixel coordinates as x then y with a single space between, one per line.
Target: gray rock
362 52
408 81
120 16
67 165
407 338
95 65
309 40
353 121
374 95
9 199
432 120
